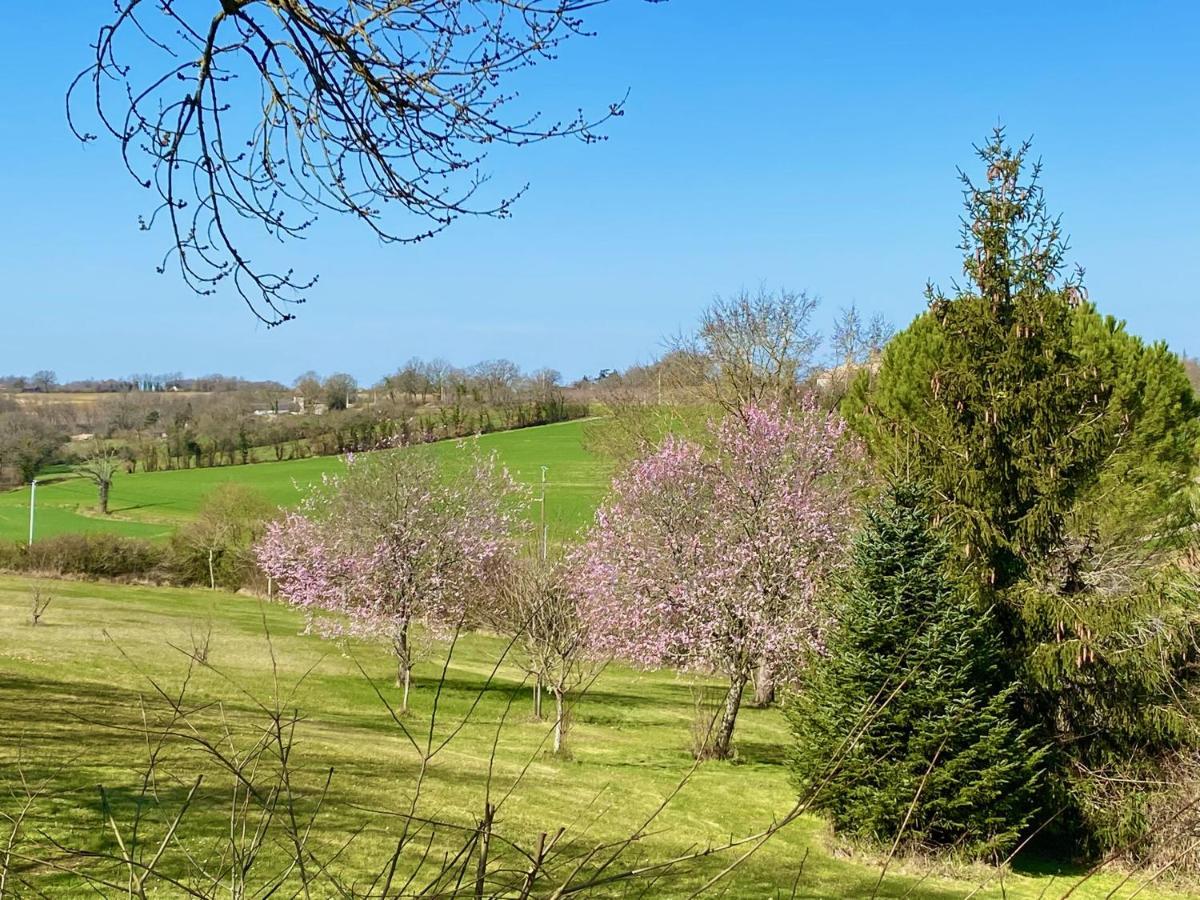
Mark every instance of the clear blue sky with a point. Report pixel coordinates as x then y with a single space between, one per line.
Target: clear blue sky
806 145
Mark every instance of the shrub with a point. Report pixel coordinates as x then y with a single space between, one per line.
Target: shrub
90 555
215 549
1171 809
12 556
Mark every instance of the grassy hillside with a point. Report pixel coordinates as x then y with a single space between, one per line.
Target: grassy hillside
69 709
152 504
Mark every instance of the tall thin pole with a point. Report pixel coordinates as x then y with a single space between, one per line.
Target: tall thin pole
32 506
543 515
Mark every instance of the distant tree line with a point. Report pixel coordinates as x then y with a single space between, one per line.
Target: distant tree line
157 422
46 381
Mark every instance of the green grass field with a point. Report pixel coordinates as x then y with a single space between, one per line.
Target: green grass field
69 709
152 505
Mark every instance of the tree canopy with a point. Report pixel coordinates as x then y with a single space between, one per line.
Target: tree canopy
716 563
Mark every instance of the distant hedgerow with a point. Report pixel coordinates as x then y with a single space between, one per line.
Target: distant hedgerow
96 555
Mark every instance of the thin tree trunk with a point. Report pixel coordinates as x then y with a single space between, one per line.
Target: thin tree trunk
403 680
104 498
764 685
485 841
723 743
404 664
560 719
212 575
537 696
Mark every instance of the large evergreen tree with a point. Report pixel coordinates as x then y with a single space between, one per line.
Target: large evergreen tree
1006 419
912 708
1061 452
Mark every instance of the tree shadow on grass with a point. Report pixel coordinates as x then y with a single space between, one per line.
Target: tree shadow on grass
47 482
523 692
133 506
90 732
762 753
1040 863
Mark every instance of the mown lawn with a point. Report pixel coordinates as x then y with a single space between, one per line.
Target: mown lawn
153 504
70 694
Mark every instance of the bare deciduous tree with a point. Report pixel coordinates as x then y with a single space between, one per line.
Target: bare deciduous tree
753 350
100 466
496 378
44 381
261 114
545 382
39 602
308 388
856 342
538 608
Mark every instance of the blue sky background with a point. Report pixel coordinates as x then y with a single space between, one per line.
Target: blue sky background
768 141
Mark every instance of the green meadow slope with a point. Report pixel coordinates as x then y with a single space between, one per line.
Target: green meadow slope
153 504
71 691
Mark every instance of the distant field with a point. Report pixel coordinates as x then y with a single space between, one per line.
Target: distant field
77 398
69 710
152 505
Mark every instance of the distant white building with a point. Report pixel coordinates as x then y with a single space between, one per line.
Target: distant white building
282 408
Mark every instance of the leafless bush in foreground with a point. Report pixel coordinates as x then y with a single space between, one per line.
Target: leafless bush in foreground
38 605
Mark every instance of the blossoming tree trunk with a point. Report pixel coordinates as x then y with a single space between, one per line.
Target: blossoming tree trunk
764 685
722 743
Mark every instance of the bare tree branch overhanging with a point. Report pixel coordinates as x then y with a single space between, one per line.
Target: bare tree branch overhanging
255 114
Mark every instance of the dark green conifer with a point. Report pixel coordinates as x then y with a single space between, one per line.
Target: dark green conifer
911 708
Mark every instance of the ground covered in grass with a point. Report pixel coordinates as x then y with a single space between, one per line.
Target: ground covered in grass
153 504
76 691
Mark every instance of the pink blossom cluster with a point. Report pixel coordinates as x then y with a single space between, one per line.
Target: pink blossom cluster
394 541
716 560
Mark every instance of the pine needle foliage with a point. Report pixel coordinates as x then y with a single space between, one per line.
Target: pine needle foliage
909 729
1061 454
1009 426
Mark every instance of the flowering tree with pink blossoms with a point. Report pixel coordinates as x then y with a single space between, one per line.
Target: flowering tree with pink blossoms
394 542
714 560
